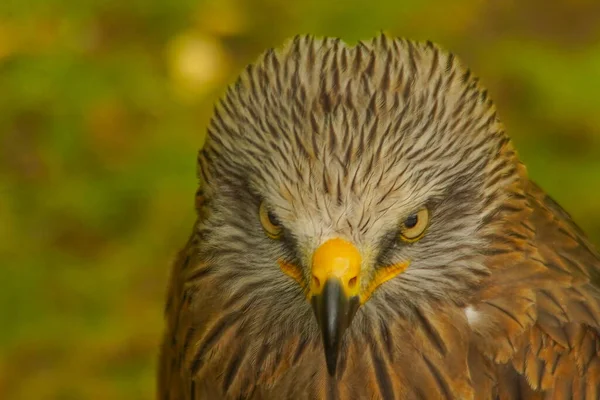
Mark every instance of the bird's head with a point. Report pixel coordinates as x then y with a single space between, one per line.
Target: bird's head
350 184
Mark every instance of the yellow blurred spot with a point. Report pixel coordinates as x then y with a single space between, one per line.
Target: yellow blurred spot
197 64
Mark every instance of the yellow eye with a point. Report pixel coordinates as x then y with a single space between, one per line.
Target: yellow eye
269 222
414 226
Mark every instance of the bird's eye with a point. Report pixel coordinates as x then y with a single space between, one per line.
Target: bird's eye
269 222
413 227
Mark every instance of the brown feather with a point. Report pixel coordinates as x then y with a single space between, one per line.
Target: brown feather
502 301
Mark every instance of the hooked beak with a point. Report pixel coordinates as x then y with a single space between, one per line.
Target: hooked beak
334 293
335 290
334 312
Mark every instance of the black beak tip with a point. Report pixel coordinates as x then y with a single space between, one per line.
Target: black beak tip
331 364
334 314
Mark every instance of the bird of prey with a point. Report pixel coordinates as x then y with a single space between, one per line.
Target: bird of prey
365 230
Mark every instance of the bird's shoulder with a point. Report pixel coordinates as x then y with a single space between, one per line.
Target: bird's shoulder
564 246
556 351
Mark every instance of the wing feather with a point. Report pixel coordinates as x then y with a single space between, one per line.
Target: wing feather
557 357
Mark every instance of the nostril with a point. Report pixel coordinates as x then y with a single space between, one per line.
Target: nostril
352 282
316 282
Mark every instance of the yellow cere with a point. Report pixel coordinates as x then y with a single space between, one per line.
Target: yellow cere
336 259
340 260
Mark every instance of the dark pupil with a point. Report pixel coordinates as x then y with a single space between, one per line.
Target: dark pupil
272 218
411 221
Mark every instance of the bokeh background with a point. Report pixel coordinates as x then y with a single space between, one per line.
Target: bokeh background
103 106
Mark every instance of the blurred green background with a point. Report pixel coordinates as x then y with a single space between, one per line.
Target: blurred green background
103 105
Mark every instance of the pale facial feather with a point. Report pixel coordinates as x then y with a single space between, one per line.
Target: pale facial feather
351 153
